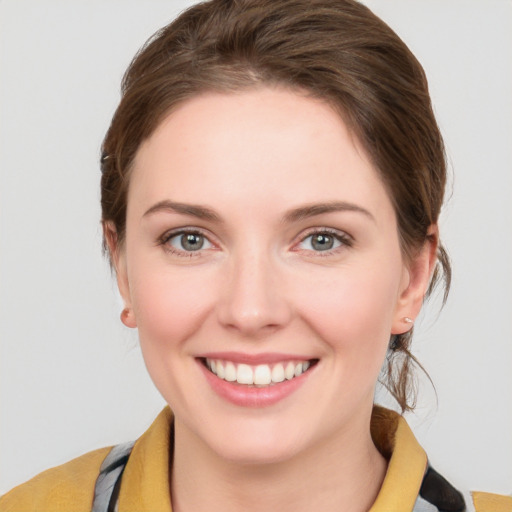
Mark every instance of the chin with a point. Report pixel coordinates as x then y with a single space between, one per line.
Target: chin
259 453
254 442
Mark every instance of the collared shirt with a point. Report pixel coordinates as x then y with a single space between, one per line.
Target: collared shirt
141 480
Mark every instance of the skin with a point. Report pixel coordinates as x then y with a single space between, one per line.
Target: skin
260 286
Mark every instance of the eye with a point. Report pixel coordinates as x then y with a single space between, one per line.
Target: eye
188 242
322 241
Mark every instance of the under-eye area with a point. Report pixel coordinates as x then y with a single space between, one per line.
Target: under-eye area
258 375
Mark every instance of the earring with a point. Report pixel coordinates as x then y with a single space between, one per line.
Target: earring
124 315
408 320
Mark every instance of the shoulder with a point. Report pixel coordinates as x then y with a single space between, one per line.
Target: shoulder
488 502
411 483
65 488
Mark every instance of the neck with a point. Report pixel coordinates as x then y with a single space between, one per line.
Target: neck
345 472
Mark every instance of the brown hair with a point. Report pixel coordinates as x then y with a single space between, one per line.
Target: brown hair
336 50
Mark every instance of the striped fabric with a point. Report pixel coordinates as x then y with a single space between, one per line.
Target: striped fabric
106 491
438 495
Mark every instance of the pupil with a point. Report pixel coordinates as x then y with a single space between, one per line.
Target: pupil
192 242
323 242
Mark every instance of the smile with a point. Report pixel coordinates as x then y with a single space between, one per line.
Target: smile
260 380
260 375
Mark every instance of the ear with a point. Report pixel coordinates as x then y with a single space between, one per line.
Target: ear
118 261
415 282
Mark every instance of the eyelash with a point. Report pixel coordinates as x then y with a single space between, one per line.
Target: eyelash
345 240
166 237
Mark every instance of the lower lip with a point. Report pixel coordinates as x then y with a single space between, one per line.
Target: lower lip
246 396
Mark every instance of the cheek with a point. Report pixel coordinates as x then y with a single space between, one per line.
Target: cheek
352 310
170 304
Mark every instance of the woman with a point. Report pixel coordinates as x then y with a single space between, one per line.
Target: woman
272 181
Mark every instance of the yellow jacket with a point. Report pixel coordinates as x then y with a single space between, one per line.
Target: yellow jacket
144 484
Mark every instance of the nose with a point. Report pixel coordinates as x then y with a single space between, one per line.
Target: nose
253 299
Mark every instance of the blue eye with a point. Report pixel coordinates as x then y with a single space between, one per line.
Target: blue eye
189 242
322 241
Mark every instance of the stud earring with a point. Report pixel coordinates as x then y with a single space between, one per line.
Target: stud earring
124 315
408 320
128 318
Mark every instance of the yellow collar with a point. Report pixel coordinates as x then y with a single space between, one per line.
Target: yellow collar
407 461
145 483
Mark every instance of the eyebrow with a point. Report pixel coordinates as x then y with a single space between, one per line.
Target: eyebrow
295 215
312 210
201 212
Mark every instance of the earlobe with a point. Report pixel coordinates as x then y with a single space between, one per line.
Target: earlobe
128 318
416 281
118 262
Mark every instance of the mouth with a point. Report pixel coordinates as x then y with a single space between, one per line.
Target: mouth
260 375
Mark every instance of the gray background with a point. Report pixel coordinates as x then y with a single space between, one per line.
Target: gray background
72 378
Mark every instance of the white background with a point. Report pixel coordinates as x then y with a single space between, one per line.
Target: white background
72 378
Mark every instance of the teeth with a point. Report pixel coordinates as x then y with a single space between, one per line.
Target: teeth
220 370
289 373
260 375
278 373
230 372
244 374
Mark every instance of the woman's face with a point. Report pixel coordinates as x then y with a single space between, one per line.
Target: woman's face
261 241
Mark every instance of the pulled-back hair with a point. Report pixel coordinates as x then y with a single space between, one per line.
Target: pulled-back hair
335 50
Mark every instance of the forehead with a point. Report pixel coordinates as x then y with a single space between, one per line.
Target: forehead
253 145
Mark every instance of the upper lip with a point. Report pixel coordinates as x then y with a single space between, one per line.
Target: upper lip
255 359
